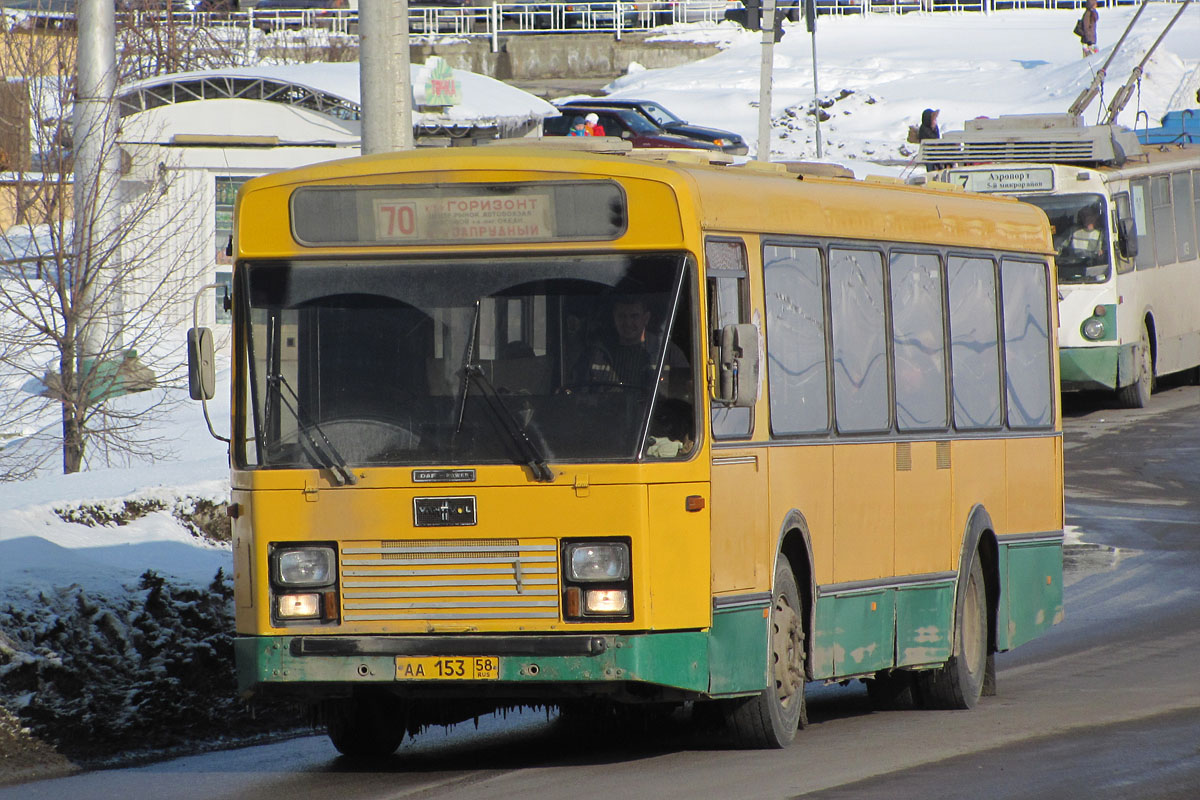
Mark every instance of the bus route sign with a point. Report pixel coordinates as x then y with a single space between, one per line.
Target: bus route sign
1034 179
464 218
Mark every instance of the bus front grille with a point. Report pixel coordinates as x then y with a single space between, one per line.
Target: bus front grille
460 580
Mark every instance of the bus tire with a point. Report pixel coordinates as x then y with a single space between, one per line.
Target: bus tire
770 719
959 682
1137 394
365 727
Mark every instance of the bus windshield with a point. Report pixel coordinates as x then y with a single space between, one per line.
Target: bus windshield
1079 225
521 360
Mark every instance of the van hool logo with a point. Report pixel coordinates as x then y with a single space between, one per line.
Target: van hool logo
442 512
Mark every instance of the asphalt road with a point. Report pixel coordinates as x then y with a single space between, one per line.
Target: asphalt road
1106 705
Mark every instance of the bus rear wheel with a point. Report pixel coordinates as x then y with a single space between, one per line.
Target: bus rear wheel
959 683
365 727
1137 394
770 719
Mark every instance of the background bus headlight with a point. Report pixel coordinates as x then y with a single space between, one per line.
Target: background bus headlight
1093 328
598 561
304 566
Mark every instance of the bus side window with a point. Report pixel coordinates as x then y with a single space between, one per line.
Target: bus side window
918 340
728 304
1139 195
974 349
1025 291
1185 225
1164 222
797 366
1196 197
856 310
1123 212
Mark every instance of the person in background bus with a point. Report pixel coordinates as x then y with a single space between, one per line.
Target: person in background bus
577 128
591 124
1087 240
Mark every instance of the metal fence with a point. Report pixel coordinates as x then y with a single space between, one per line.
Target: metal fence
615 17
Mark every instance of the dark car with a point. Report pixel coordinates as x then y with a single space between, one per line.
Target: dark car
625 123
728 141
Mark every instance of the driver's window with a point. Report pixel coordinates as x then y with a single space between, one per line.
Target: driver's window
728 304
1123 210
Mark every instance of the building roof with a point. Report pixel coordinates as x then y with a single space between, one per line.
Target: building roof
326 95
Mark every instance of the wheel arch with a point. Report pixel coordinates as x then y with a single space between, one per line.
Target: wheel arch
795 545
979 536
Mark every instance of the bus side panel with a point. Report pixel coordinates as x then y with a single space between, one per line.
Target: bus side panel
863 532
922 509
1034 588
924 619
802 480
1034 485
977 469
739 516
855 633
679 558
737 650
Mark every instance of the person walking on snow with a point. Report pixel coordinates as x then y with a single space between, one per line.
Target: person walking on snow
1087 28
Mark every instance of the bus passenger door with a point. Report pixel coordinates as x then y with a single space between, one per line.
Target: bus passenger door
739 473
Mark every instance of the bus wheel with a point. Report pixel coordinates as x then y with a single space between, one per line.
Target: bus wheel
1137 394
892 691
365 727
959 683
770 719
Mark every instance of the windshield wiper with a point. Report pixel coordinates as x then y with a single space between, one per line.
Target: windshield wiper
534 458
322 449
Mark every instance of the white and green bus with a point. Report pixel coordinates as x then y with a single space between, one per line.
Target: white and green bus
1125 219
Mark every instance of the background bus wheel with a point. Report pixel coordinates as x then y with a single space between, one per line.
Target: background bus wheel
892 691
1137 394
959 683
770 719
365 727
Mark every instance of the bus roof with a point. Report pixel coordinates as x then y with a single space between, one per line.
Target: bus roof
751 198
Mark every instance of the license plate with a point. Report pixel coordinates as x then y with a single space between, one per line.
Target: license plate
447 668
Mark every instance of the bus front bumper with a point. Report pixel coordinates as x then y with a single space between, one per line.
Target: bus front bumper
1088 368
526 664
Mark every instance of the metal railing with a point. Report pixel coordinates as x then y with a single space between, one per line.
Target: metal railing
557 16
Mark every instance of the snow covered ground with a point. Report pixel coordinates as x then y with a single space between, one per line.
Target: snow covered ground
66 585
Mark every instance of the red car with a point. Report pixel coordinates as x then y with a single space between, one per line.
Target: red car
625 123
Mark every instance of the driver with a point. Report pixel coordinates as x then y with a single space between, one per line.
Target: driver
625 358
1087 240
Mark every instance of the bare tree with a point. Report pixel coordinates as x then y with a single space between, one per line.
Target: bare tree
82 330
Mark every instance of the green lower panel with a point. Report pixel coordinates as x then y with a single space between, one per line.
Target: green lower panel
1033 590
855 633
1095 367
924 623
677 660
737 650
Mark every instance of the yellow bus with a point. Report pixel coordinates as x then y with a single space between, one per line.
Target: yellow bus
527 425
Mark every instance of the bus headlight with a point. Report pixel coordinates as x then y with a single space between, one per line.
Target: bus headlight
1093 328
304 566
298 606
597 580
597 561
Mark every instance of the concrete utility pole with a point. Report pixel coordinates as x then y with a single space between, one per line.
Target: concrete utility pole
385 81
97 168
764 81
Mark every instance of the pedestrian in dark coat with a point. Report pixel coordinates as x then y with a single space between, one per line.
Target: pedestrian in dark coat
1087 27
929 130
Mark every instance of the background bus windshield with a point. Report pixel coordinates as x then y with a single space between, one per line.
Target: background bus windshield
1079 224
497 361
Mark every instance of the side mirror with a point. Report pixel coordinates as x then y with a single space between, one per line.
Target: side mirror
202 375
739 366
1127 237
